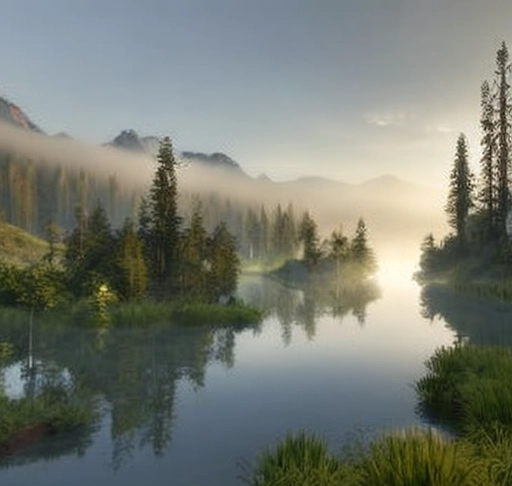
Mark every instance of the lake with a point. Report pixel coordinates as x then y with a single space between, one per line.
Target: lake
195 406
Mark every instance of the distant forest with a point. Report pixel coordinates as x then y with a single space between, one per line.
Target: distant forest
35 193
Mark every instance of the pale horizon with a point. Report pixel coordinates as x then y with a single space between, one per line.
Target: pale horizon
345 90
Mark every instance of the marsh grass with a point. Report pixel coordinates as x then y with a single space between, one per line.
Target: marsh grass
409 458
493 448
419 458
301 460
468 387
147 312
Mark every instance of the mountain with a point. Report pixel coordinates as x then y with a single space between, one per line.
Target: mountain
130 140
14 115
216 160
398 213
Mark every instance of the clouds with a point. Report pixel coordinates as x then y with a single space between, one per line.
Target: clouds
389 119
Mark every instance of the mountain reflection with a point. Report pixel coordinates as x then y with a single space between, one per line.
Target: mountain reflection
480 321
129 377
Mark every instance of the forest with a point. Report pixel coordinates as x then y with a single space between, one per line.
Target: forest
477 254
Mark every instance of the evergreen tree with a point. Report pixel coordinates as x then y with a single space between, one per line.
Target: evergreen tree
487 194
88 256
503 137
339 249
165 222
144 230
428 254
265 234
361 254
224 263
194 256
131 276
277 232
252 235
308 235
289 232
460 192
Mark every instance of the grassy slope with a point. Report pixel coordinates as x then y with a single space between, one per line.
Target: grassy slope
19 247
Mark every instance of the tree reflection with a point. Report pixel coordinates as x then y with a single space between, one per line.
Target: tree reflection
481 321
133 376
303 305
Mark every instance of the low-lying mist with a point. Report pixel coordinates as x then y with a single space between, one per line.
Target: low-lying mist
133 170
398 214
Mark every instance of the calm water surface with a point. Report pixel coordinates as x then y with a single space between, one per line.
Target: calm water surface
195 406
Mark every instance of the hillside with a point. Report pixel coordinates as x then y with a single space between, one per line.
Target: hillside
19 247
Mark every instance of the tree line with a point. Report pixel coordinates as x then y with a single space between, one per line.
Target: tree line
479 210
157 257
35 192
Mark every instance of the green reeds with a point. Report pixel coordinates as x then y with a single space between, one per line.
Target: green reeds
148 312
300 460
411 458
419 458
468 386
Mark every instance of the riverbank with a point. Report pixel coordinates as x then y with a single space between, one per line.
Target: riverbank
148 312
466 388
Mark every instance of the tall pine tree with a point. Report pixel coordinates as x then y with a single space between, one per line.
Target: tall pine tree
308 235
164 219
487 194
503 137
460 198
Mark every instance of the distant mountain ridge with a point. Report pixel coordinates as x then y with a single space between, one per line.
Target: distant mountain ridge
389 205
13 114
132 141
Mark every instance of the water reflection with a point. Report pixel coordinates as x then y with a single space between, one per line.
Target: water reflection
303 306
480 321
133 376
129 378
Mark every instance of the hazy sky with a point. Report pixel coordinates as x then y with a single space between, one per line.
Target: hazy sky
348 89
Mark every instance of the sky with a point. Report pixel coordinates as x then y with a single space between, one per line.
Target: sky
346 89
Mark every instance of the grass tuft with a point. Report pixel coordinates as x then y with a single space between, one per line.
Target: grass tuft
468 387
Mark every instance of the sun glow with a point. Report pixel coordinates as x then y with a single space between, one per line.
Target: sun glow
395 273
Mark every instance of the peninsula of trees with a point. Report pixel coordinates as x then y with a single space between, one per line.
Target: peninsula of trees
477 255
157 258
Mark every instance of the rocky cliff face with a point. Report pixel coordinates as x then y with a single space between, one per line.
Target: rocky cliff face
14 115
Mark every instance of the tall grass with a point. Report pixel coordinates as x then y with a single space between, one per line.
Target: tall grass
410 458
493 447
148 312
419 458
301 460
468 386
